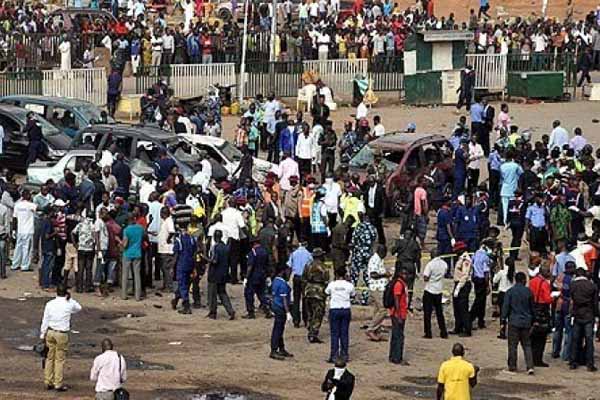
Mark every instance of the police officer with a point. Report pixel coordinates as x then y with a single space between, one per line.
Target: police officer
408 256
466 223
34 134
378 168
185 248
254 284
444 233
516 222
314 280
327 142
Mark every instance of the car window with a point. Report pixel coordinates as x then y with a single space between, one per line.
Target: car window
413 162
212 153
365 157
230 152
77 163
124 144
10 125
63 119
36 108
146 151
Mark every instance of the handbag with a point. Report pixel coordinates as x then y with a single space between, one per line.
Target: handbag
121 393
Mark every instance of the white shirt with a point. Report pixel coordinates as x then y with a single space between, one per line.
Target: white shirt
501 279
475 151
233 219
558 138
371 196
314 9
304 147
168 42
109 370
219 226
379 130
146 189
65 55
201 179
102 230
323 42
206 167
435 270
376 266
340 292
167 227
361 111
332 197
57 315
24 212
154 227
287 169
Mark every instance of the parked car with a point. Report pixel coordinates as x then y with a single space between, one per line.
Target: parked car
68 115
139 142
408 157
15 147
40 172
228 155
77 15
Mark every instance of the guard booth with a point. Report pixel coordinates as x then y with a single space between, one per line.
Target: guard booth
432 64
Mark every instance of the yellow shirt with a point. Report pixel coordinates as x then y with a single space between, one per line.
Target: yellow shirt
454 375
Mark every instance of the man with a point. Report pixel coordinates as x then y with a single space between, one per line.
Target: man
132 258
378 281
462 289
34 133
166 256
444 232
510 172
254 284
292 199
421 210
298 261
43 200
218 272
374 204
398 313
559 136
456 377
363 238
109 371
584 298
314 281
542 301
288 168
461 156
476 154
304 153
4 238
408 256
467 85
339 382
537 225
481 283
24 213
517 310
235 222
184 250
433 275
327 141
563 327
280 305
56 324
114 88
516 222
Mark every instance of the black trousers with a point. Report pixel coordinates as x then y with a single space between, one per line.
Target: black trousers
298 308
277 342
472 179
433 302
234 259
462 320
538 344
214 290
84 277
304 165
516 336
478 309
494 187
538 240
377 222
195 282
327 163
517 237
244 250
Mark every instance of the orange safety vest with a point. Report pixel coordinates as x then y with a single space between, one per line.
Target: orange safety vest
306 203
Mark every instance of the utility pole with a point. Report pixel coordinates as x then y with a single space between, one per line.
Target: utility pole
273 30
244 46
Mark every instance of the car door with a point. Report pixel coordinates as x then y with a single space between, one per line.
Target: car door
16 143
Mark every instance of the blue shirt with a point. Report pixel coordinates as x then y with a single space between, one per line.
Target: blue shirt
134 234
509 174
477 114
298 260
280 290
48 245
495 161
185 248
466 222
561 260
481 263
443 219
536 215
460 162
258 258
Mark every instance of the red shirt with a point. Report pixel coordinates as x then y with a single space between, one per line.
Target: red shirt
540 288
400 293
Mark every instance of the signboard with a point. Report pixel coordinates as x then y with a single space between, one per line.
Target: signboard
447 36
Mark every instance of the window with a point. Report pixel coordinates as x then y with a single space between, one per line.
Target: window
366 155
63 119
77 163
413 162
9 125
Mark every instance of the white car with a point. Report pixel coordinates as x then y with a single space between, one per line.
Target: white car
229 156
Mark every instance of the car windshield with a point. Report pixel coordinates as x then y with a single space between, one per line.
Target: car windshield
365 157
181 148
92 113
230 152
47 128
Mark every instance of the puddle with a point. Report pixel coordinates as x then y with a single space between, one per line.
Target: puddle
223 394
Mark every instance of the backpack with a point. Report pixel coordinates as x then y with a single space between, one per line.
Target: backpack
388 294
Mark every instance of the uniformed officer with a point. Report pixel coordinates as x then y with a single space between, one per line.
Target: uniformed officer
516 222
379 169
314 280
444 233
254 284
408 256
184 248
465 220
340 236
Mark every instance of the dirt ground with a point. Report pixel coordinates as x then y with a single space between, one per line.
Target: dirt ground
171 356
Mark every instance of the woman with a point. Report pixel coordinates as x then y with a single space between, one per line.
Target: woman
505 280
340 292
503 120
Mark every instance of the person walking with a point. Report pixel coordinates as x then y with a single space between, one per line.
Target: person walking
132 258
398 312
166 255
363 238
109 371
518 313
462 289
456 376
584 298
340 292
4 238
298 261
563 326
56 324
339 382
280 305
24 213
185 248
433 276
481 283
504 280
542 299
314 281
379 278
255 283
218 273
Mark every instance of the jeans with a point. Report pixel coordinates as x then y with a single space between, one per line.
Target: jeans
397 340
339 324
131 266
585 329
515 336
279 320
433 302
2 258
104 273
47 266
562 323
22 254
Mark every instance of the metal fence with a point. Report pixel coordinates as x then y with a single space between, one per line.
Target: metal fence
21 83
339 74
387 73
191 80
86 84
282 78
490 71
534 62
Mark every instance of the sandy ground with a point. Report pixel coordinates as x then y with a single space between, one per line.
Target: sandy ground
173 356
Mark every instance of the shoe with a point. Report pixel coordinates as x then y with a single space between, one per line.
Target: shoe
28 270
427 337
232 316
174 304
530 371
63 388
211 316
196 305
444 336
268 315
592 368
541 365
464 335
401 362
276 356
185 311
285 353
49 387
502 337
555 356
482 326
572 366
330 361
453 332
249 316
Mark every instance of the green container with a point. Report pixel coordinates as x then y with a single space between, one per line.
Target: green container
536 85
423 88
